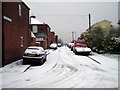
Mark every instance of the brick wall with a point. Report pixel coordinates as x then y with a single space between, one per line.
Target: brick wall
52 37
33 41
15 27
44 28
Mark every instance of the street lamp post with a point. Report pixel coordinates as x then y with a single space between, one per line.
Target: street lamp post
30 29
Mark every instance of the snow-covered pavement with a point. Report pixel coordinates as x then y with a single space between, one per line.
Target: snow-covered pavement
63 69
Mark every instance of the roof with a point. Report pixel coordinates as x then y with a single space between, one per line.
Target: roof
101 21
35 21
52 30
25 3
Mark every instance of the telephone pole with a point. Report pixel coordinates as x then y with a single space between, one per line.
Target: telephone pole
72 36
89 21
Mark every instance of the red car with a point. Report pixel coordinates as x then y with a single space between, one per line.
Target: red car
81 47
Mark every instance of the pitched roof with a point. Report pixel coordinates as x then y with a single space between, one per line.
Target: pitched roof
35 21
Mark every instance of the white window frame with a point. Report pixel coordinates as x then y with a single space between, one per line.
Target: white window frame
21 41
35 28
20 10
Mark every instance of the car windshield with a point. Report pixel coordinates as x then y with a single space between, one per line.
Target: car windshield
80 43
33 49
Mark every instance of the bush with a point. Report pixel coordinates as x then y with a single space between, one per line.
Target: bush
103 40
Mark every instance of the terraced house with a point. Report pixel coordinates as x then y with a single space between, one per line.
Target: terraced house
42 33
15 30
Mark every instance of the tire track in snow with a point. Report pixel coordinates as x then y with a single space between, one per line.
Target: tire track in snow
76 76
63 75
55 75
68 78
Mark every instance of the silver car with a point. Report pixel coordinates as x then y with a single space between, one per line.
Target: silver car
34 55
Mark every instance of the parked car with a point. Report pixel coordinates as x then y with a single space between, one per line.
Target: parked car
34 55
81 48
53 46
70 45
59 45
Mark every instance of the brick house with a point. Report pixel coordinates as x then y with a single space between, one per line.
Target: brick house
52 37
15 30
42 33
33 41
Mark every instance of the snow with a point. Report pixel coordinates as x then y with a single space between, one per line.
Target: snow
35 21
53 45
32 35
63 69
113 56
52 30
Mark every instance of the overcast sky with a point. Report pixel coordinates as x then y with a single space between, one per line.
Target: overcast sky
67 17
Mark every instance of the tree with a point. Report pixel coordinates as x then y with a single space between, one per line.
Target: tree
95 39
112 40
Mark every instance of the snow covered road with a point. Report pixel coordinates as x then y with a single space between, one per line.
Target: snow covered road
63 69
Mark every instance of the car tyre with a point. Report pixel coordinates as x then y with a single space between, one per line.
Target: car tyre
76 52
24 62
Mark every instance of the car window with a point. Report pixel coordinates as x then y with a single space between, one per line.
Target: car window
80 43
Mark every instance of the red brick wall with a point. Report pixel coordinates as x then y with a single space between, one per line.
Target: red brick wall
44 28
49 36
33 43
14 30
52 37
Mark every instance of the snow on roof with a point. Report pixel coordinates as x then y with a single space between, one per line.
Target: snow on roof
26 3
32 35
35 47
35 21
52 30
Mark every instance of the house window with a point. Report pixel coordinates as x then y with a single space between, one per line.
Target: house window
41 29
21 41
34 29
19 10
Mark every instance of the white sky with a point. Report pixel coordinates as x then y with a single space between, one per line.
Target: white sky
68 16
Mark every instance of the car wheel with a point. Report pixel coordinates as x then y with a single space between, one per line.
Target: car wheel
45 59
24 62
76 52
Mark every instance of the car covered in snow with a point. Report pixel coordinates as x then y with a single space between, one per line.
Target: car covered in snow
80 47
70 45
34 55
53 46
59 45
